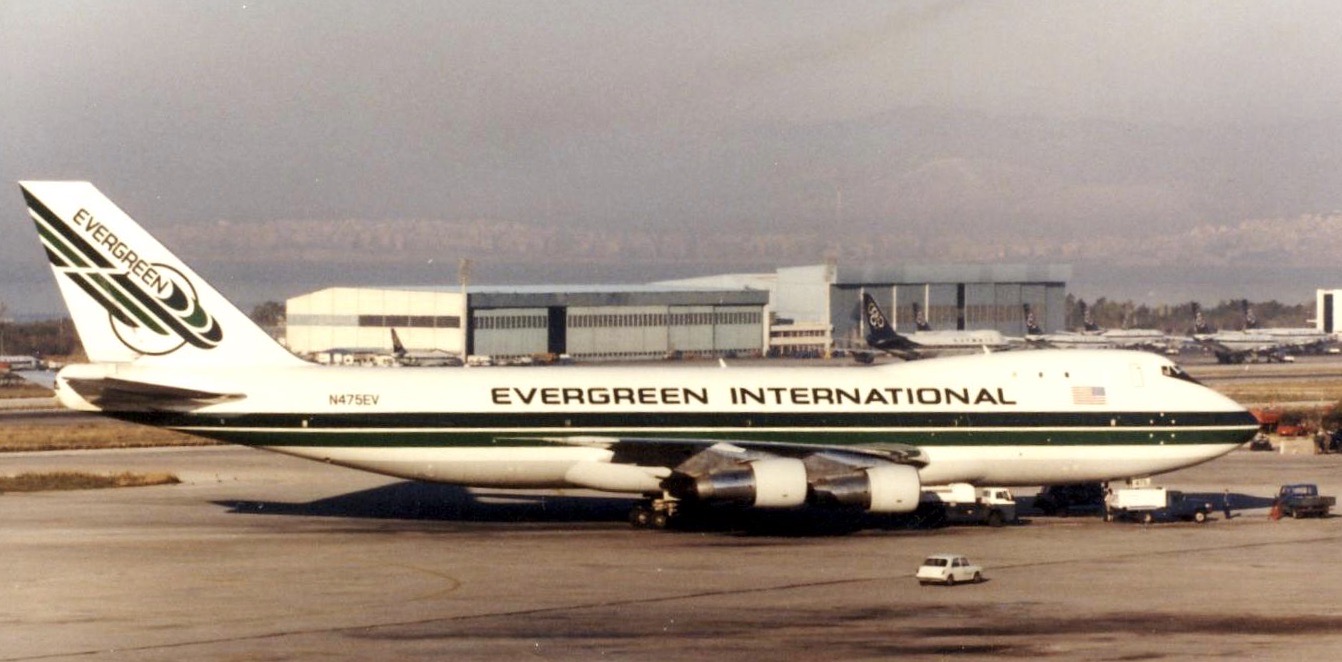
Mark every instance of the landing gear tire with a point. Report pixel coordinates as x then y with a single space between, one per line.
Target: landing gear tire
659 514
660 521
641 517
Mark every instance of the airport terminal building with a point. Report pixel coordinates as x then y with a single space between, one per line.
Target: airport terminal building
793 311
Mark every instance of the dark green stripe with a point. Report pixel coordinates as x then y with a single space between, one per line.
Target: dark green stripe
97 294
159 311
116 293
393 430
450 439
702 420
60 226
72 258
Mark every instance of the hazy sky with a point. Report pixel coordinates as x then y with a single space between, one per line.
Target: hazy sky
677 117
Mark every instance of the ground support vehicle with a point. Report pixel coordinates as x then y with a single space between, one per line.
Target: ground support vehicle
1151 504
1302 500
961 503
948 569
1071 499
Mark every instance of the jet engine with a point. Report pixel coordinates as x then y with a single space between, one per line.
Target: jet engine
765 483
885 488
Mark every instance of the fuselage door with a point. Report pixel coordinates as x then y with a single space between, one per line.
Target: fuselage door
1135 375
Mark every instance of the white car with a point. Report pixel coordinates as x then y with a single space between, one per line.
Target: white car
948 569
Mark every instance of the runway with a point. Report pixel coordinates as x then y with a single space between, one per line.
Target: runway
262 556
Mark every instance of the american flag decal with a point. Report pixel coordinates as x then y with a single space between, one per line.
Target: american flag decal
1088 395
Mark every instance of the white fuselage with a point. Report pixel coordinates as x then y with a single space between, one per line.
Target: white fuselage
1005 419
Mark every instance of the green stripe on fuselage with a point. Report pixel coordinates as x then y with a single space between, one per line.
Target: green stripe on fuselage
511 438
832 428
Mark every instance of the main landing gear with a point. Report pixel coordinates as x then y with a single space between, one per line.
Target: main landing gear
654 514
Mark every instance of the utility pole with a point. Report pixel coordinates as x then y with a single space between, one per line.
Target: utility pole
4 321
464 277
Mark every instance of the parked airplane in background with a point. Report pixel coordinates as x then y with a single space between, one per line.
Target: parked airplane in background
1253 343
924 343
166 349
1307 338
1095 337
420 358
1036 336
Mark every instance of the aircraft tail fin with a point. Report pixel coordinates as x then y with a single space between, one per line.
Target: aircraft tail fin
1031 324
1200 324
1250 320
919 320
130 298
1087 320
879 334
397 347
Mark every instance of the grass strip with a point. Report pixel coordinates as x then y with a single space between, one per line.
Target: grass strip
80 480
25 390
92 435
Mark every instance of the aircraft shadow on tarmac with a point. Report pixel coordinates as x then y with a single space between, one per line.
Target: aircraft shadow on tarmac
1238 501
411 500
428 501
449 503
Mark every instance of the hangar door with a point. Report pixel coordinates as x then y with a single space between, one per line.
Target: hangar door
510 331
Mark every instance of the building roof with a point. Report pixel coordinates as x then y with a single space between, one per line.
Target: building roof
539 296
954 273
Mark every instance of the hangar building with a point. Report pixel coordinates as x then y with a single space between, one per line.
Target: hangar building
806 310
603 322
817 308
1328 311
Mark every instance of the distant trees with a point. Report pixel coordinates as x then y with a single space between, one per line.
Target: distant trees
44 338
269 314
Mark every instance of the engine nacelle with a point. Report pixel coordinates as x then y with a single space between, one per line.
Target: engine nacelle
886 488
769 483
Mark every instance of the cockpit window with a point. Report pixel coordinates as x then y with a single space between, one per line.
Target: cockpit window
1170 370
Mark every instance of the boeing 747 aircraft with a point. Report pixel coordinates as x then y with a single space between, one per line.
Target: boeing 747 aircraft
923 343
166 349
1092 336
1254 343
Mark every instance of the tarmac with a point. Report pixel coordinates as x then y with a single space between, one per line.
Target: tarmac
262 556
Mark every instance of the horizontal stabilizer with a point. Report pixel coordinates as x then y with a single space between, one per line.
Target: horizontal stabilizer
43 378
124 394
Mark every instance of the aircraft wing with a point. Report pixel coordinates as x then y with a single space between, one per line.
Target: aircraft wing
114 393
672 452
761 473
1039 342
1217 347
